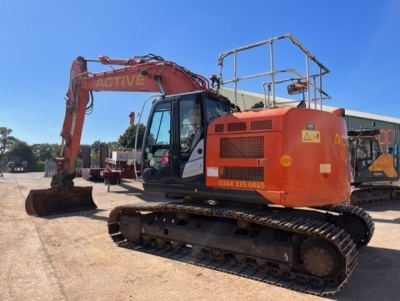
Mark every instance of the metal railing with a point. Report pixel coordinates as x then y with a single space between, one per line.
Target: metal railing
313 80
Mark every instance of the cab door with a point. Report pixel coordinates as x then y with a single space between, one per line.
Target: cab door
172 145
189 136
156 154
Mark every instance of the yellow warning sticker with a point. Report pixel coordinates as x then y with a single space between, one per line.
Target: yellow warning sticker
337 140
311 136
286 160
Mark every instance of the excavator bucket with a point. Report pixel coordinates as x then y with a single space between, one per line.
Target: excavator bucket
41 202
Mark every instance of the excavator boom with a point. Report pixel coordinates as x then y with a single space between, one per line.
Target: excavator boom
149 73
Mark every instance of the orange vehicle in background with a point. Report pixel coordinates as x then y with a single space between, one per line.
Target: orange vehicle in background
262 188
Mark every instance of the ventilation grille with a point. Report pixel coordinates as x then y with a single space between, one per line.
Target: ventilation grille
219 128
241 126
261 125
243 173
236 126
242 147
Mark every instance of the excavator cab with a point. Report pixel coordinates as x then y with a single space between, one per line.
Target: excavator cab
369 163
373 171
174 141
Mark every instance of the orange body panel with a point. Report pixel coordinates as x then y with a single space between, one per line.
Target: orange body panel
303 160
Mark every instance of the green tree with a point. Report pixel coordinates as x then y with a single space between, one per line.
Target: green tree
5 140
95 150
44 151
97 145
127 139
113 146
5 143
22 149
80 153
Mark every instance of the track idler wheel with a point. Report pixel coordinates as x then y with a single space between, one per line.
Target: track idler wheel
354 227
319 258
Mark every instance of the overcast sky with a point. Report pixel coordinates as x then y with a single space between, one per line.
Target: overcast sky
358 41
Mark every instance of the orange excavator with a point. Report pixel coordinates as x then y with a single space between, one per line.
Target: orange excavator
262 190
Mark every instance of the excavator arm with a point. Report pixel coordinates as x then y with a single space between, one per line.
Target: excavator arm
148 73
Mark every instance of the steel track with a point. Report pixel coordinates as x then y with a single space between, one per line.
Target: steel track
294 280
372 195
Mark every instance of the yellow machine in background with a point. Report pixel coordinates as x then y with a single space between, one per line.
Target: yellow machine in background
373 172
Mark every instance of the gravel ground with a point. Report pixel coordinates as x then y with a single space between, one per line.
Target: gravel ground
71 257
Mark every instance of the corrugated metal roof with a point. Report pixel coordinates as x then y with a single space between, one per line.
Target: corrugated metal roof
289 102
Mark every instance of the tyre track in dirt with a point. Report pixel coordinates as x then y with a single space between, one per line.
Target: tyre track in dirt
71 257
29 244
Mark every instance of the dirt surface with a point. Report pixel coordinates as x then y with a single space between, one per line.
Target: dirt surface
71 257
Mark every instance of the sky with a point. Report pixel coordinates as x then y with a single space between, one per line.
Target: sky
358 41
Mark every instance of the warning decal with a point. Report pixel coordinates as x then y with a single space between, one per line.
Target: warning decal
311 136
286 160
